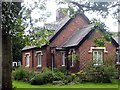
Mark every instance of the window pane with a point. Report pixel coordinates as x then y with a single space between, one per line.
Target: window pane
39 59
98 57
27 60
63 58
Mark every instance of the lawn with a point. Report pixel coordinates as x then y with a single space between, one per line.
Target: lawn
19 84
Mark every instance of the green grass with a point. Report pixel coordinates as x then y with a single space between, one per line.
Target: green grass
19 84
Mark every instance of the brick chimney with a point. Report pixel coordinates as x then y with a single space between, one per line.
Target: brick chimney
59 14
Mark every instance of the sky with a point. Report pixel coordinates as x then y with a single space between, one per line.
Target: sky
110 22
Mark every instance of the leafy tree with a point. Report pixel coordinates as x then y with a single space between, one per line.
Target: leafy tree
9 22
101 8
18 25
36 35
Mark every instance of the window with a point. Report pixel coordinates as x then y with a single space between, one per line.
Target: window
27 60
118 57
72 59
39 60
71 56
63 58
97 57
14 64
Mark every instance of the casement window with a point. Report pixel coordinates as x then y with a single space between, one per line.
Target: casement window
118 57
27 64
72 61
71 54
63 58
39 58
97 57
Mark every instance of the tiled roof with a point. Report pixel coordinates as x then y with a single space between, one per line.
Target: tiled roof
56 27
77 36
28 47
59 25
117 39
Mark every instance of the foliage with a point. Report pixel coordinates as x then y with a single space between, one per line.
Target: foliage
62 70
101 8
46 76
35 33
23 74
105 37
68 78
58 76
37 80
81 75
101 74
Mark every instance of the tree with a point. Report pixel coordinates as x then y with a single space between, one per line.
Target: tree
9 21
36 35
102 8
15 22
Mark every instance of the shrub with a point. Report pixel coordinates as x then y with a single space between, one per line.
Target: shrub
22 74
37 80
81 76
101 74
68 78
58 76
47 76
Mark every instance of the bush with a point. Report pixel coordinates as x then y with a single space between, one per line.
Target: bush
68 78
46 76
58 76
101 74
37 80
81 76
22 74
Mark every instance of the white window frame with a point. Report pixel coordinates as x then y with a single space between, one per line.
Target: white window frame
118 57
14 64
39 59
63 58
72 62
27 59
97 62
98 48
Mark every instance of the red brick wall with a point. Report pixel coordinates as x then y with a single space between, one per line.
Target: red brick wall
86 57
24 58
33 58
77 22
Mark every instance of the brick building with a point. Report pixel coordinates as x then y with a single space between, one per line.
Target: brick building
71 47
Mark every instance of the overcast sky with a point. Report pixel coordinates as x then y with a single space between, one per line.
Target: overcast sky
110 22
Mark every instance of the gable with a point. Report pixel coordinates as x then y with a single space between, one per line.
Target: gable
67 30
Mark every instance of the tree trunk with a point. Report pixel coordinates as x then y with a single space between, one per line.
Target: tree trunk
6 63
0 45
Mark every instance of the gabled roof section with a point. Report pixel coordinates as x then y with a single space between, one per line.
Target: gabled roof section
65 21
58 27
28 47
78 36
117 39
